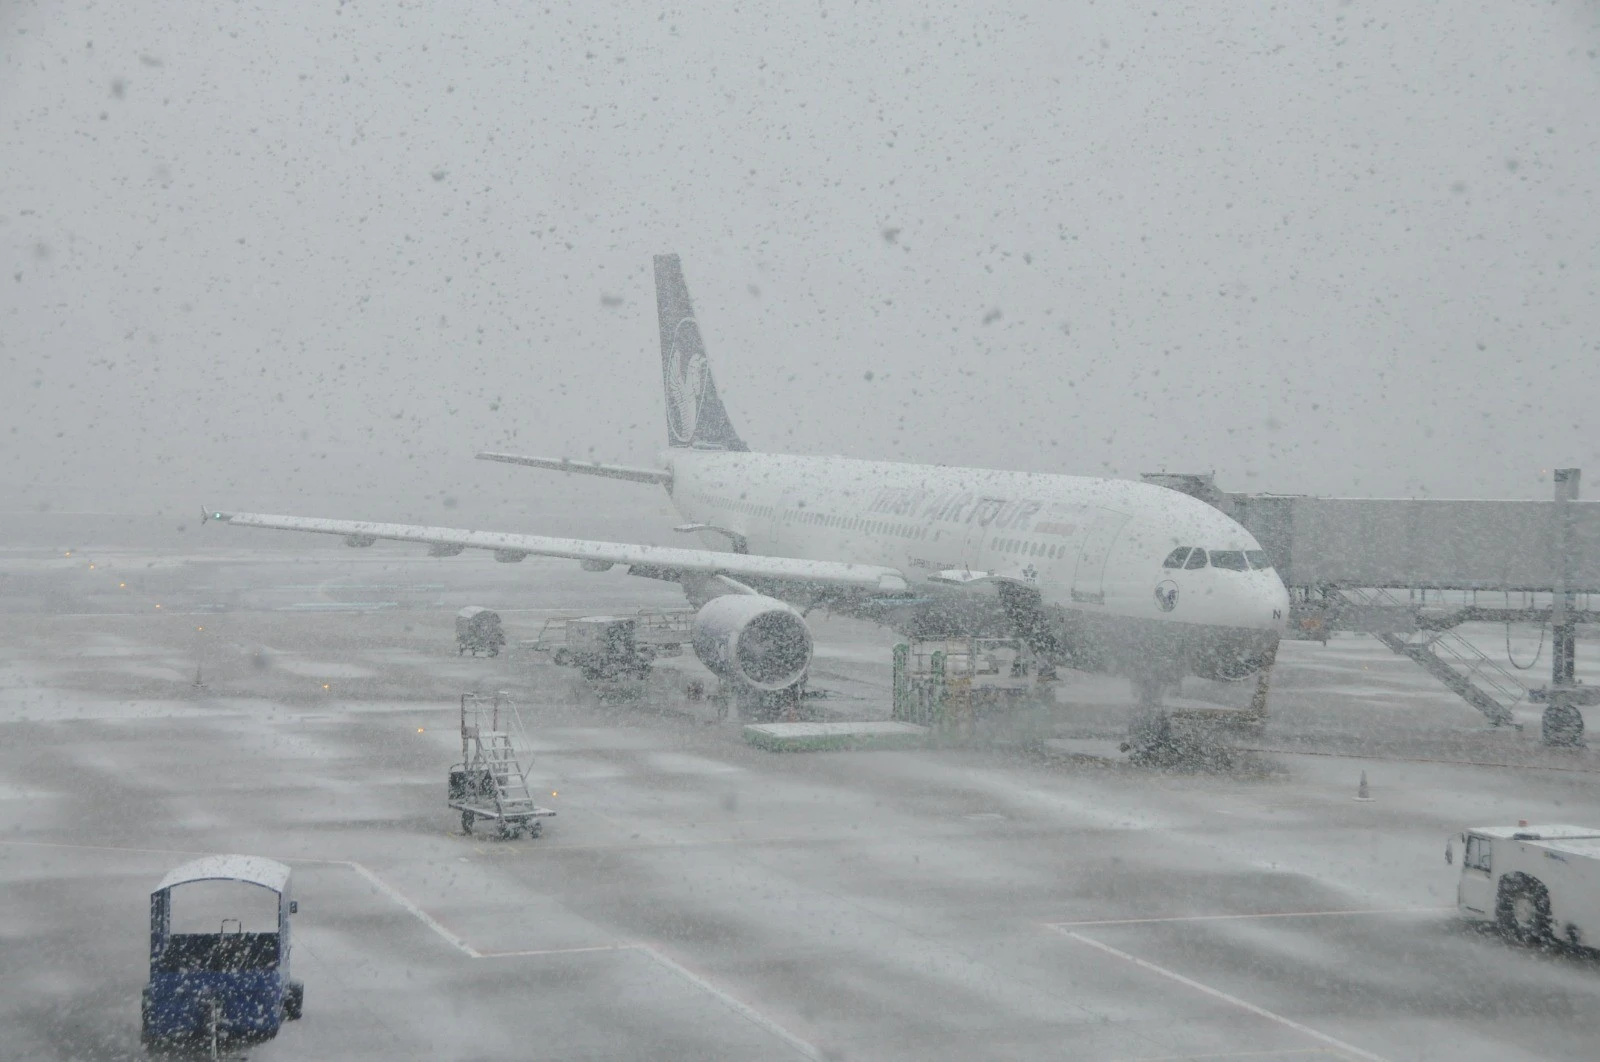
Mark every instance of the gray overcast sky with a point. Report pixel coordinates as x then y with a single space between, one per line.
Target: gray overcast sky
316 254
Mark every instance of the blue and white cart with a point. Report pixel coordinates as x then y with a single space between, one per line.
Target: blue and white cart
207 988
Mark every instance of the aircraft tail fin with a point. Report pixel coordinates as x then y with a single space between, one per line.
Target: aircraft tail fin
695 415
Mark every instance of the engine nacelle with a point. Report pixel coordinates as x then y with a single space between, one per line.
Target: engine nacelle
758 641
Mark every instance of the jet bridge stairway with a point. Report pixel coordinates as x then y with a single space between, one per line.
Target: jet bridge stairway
1464 668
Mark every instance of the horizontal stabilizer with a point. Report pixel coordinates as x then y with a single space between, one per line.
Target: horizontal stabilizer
588 468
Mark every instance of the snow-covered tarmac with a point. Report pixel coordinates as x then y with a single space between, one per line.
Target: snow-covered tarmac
697 898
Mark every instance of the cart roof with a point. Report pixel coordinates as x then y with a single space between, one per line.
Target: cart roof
268 873
471 610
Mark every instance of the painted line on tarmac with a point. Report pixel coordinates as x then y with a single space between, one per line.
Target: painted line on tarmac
422 916
400 898
743 1009
1232 1054
1232 917
170 851
557 951
111 848
498 851
378 883
454 939
1216 993
1424 759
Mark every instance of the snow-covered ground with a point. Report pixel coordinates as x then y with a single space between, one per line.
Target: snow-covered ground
697 898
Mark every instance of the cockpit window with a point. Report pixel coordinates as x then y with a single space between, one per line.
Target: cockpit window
1258 559
1176 558
1197 559
1231 559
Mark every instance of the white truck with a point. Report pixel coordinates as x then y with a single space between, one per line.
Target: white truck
1537 883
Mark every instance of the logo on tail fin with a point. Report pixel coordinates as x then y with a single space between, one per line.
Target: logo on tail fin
687 375
695 415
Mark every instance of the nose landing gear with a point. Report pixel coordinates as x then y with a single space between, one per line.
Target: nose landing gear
1154 741
1150 732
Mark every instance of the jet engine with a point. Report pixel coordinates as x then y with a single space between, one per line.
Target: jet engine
756 640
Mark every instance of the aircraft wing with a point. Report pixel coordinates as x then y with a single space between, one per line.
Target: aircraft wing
655 560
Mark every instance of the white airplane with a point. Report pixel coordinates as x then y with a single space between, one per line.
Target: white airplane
1097 574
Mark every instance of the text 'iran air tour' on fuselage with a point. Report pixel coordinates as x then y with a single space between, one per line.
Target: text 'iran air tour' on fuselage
1097 574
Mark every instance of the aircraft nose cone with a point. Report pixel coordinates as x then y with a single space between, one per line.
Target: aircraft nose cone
1275 605
1264 604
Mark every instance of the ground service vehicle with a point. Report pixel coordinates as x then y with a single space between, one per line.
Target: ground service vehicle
604 647
478 630
206 988
1537 883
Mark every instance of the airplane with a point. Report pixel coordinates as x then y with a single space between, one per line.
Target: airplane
1095 574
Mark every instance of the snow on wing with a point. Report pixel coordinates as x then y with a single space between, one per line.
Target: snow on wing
736 565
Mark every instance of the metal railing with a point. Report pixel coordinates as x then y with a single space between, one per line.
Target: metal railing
1467 670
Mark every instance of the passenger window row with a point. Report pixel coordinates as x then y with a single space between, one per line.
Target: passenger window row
1031 549
1234 560
856 523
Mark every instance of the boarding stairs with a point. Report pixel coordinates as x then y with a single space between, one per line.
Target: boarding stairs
491 782
1464 668
499 755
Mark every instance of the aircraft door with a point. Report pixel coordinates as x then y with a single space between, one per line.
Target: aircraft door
1088 579
1476 890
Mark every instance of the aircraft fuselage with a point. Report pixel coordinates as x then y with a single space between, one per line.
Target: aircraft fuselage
1089 556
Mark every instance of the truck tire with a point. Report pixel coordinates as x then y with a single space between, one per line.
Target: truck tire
1561 725
1522 909
294 1000
561 658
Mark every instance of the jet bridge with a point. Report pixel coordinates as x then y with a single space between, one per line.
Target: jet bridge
1409 571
